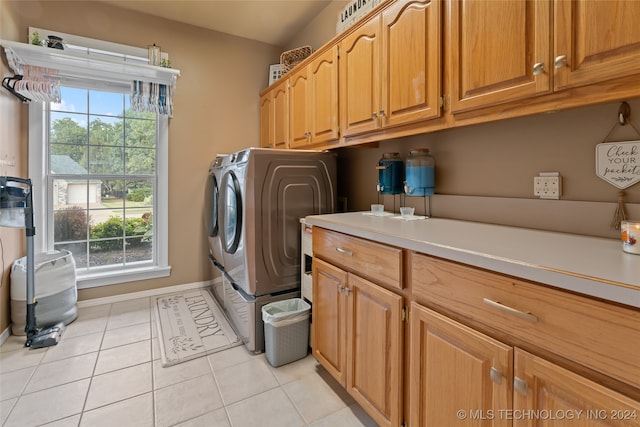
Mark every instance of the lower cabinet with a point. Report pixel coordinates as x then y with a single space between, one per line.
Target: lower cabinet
457 375
545 390
461 377
358 338
484 349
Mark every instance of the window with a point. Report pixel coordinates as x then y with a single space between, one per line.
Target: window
99 172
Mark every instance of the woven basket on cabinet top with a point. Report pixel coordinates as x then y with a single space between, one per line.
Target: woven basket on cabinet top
293 57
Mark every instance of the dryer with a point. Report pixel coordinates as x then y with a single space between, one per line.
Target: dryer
212 223
263 194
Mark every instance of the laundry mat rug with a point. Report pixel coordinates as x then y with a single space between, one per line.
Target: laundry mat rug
190 325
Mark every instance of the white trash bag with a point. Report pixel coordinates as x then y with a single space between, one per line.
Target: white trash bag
286 312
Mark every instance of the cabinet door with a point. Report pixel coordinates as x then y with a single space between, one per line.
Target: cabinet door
596 40
323 75
542 387
329 318
299 106
266 121
374 350
455 368
493 47
360 79
411 62
280 105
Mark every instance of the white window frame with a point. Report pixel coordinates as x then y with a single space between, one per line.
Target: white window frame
43 205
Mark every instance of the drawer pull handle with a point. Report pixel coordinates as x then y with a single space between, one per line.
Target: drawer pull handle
521 314
344 251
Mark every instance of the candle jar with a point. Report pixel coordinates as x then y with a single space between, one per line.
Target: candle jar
154 55
630 233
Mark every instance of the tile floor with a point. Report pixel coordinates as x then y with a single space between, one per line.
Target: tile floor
106 371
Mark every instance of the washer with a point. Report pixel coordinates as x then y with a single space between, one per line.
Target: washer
263 194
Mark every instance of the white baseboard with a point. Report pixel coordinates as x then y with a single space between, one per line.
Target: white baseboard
5 334
143 294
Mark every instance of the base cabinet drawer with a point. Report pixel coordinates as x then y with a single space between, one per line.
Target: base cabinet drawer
380 263
601 336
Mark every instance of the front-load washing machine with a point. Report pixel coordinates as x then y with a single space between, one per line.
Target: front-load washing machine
263 194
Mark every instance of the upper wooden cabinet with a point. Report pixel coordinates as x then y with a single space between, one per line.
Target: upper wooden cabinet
280 112
299 108
493 49
360 79
411 65
313 96
595 40
502 51
414 66
266 120
390 68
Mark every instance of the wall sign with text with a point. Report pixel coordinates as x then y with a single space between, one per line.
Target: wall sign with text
619 162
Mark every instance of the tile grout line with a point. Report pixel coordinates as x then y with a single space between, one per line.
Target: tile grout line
86 397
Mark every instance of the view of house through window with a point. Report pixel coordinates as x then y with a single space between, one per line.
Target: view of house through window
101 179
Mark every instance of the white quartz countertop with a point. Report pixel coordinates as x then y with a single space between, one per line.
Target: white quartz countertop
589 265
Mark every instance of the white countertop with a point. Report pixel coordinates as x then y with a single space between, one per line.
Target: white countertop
589 265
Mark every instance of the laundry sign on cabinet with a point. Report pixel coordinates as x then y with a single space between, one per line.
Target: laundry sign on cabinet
353 11
619 162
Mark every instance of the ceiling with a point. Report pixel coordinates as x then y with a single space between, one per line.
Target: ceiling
270 21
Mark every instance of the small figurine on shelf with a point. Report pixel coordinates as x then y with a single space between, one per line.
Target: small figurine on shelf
36 40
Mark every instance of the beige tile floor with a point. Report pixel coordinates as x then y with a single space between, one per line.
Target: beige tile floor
106 371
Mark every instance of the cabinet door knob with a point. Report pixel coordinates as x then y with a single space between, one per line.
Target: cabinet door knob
495 375
538 68
561 61
381 113
374 115
520 386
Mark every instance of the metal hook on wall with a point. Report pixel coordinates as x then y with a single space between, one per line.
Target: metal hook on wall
624 112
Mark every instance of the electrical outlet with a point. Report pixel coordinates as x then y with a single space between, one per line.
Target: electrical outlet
548 185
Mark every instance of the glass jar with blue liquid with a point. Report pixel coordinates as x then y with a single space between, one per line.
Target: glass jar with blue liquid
390 174
420 173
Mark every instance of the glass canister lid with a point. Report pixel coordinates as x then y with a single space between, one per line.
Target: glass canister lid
390 156
419 152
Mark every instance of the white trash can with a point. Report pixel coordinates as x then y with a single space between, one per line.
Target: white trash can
286 330
55 290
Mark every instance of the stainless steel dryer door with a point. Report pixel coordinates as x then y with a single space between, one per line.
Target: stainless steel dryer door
230 211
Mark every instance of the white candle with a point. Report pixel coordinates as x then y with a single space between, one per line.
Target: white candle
154 55
630 231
